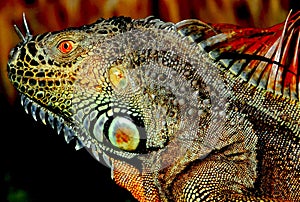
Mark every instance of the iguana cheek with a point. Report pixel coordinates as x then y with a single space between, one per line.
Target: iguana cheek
124 134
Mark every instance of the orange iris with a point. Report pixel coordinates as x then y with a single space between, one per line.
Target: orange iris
66 46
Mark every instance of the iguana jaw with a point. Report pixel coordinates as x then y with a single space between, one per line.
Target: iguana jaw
47 117
61 126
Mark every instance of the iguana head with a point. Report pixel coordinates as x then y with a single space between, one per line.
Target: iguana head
120 85
43 68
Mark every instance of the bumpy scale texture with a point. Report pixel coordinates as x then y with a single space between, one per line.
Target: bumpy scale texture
180 112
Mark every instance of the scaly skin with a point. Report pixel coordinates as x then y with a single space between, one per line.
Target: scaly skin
180 112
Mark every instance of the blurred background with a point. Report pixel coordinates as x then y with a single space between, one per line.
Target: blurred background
36 164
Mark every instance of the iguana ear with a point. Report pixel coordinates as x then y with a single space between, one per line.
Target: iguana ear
266 58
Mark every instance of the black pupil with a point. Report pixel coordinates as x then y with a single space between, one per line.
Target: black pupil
66 45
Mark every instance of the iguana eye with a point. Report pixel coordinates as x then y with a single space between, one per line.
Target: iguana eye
66 46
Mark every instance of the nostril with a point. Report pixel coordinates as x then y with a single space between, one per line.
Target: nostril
8 68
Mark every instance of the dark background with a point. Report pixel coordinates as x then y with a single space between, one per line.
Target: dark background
37 164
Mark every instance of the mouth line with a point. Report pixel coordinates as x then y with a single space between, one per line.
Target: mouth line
39 113
57 123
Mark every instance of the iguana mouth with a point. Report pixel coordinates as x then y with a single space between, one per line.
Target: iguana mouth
57 123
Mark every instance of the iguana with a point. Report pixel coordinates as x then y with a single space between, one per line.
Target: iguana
187 111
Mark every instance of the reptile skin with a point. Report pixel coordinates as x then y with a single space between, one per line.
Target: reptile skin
180 112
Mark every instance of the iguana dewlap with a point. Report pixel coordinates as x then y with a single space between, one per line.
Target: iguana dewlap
180 112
